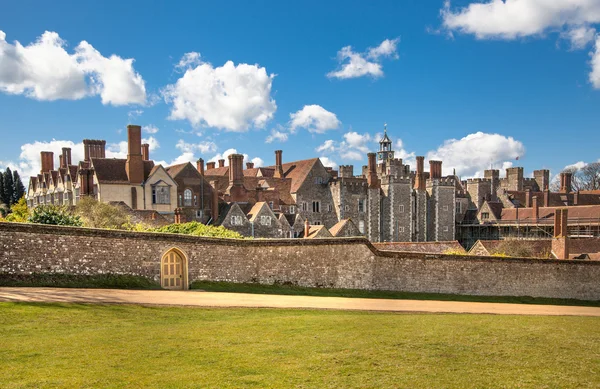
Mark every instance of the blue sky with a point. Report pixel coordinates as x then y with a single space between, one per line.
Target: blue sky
466 84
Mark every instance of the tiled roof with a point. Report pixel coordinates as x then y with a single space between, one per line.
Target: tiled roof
297 171
174 170
338 226
112 170
319 231
539 247
496 208
253 213
422 247
547 213
218 171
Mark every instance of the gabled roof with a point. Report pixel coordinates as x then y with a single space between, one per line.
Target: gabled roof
338 226
112 170
174 170
297 171
255 210
319 231
218 171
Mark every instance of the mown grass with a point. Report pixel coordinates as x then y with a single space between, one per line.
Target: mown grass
117 346
287 289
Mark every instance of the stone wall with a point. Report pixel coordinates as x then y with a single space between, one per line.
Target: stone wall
339 263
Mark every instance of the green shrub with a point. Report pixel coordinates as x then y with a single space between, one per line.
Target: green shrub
192 228
53 214
97 214
19 212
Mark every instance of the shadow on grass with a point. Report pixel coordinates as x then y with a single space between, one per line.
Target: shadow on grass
287 289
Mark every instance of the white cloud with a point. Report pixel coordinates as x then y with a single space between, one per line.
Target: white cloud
387 48
202 147
407 157
131 115
276 136
579 36
152 142
355 64
595 63
327 146
44 70
314 118
188 61
351 155
258 162
476 152
327 162
150 129
358 141
513 19
230 97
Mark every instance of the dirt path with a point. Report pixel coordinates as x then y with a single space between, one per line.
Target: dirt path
212 299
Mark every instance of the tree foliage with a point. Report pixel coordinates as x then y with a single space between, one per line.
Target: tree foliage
18 188
518 248
193 228
7 187
19 212
97 214
54 214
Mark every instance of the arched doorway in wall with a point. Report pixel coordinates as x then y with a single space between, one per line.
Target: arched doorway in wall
174 270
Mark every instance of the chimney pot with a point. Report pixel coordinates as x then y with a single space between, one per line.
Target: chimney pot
249 165
306 228
221 163
210 165
146 152
278 164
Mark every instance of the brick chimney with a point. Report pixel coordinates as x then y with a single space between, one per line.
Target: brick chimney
420 178
306 228
536 207
60 162
576 198
527 198
135 164
93 149
215 200
66 153
435 170
146 152
210 165
560 242
200 166
565 182
221 163
372 179
236 177
47 160
278 164
249 165
546 197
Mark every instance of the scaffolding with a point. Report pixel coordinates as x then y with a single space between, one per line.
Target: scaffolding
469 233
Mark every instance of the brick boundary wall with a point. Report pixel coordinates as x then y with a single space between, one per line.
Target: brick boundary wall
337 263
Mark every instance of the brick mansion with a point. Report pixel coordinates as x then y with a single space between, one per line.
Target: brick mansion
385 200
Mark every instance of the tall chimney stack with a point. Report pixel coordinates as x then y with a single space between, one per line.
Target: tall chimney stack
420 178
236 177
372 179
146 152
565 182
221 163
200 166
135 164
278 164
66 152
47 160
249 165
536 207
210 165
560 242
61 163
435 170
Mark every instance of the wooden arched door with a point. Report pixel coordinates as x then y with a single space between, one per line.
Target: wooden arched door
172 275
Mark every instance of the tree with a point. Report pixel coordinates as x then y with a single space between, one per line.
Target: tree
100 215
2 189
8 187
19 212
54 214
582 178
18 188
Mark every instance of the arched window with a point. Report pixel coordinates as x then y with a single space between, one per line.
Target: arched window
187 198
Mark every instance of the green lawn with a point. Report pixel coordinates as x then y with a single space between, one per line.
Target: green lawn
118 346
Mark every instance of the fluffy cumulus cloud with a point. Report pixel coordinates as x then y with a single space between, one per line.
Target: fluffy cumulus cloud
229 97
352 147
314 118
44 70
354 64
258 162
512 19
276 136
328 162
474 153
150 129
